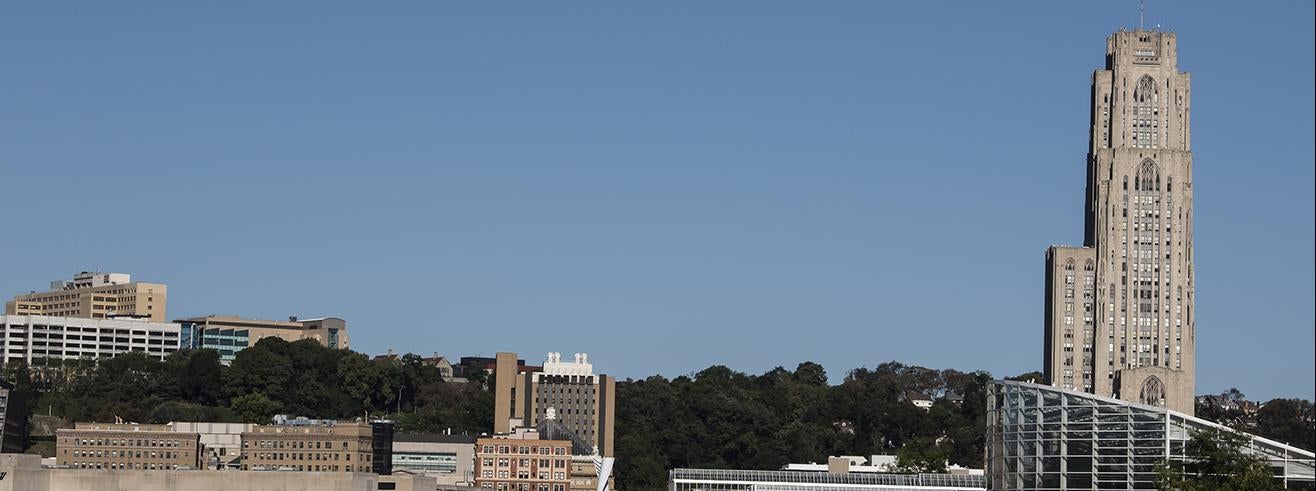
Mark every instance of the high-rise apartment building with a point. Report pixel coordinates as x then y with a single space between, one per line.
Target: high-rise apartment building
94 295
229 334
580 400
35 339
1119 315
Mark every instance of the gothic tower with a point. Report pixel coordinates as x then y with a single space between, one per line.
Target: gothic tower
1119 311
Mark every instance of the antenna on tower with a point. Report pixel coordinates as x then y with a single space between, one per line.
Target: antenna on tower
1142 6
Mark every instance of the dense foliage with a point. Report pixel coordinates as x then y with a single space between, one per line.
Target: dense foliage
1217 463
271 377
1291 421
719 418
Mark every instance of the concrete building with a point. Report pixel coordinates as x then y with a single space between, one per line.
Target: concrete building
521 461
449 459
230 334
584 402
25 473
13 419
1048 438
127 446
94 295
1119 317
35 338
222 442
309 445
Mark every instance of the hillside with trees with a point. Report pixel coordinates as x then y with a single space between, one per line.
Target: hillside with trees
715 418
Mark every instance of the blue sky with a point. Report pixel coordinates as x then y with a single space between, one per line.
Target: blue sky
664 185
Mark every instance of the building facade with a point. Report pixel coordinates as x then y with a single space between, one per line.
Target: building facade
221 442
94 295
127 446
34 338
1047 438
309 445
450 459
522 462
1119 317
581 401
230 334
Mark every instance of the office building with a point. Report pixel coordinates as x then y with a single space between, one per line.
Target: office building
583 402
522 462
127 446
450 459
1048 438
230 334
35 339
13 419
94 295
1119 317
301 444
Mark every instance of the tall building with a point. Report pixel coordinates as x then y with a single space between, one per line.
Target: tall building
94 295
30 338
581 401
230 334
1119 318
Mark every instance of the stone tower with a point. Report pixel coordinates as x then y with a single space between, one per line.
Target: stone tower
1119 317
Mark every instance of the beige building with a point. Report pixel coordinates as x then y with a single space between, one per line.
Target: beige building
127 446
230 334
25 473
309 445
522 462
94 296
583 402
1119 315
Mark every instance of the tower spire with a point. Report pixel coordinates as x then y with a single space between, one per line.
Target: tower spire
1142 6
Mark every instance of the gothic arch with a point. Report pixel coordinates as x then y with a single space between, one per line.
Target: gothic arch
1089 266
1069 265
1149 176
1153 392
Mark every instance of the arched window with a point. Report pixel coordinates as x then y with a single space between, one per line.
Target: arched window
1089 266
1149 177
1069 265
1146 114
1153 392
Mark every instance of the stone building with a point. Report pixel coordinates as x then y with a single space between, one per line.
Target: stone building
1119 317
309 445
127 446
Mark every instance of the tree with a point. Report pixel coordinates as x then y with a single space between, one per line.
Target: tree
1215 461
1288 420
255 407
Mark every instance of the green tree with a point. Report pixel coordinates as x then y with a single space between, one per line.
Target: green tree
254 407
1216 461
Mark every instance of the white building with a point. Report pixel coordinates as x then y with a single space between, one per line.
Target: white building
34 337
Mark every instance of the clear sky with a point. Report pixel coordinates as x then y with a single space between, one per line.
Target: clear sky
665 185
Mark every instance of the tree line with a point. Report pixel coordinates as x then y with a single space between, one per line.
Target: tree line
715 418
